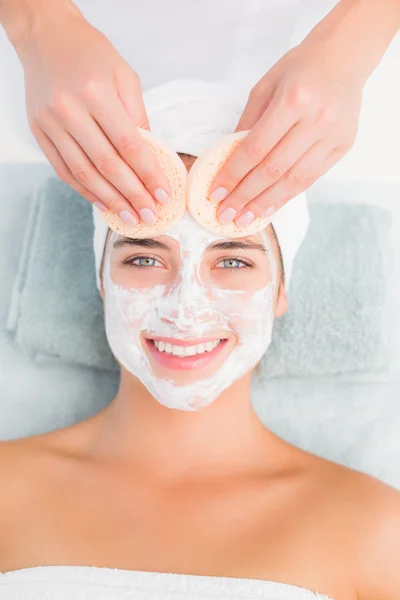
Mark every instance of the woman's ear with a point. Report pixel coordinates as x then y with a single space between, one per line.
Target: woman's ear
281 301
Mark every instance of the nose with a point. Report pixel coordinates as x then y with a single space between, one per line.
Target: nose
189 305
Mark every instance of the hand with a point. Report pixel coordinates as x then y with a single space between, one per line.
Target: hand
303 117
84 105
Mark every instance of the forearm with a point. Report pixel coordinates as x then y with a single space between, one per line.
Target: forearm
18 17
360 31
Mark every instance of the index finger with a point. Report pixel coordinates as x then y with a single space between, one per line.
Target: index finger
262 138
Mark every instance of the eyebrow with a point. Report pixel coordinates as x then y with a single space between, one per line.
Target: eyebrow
224 245
237 245
144 243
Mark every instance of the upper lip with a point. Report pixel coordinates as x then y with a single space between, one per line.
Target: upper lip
186 341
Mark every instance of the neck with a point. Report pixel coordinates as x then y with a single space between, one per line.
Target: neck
225 438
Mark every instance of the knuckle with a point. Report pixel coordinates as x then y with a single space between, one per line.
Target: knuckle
107 165
136 198
273 171
116 206
347 144
81 174
255 151
310 180
112 202
298 94
63 173
129 145
344 145
149 181
229 182
135 78
327 115
344 148
59 103
295 179
227 178
40 117
91 89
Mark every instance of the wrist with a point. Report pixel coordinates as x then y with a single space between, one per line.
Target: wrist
358 32
21 18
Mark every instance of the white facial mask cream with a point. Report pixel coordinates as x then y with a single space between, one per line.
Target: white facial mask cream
186 309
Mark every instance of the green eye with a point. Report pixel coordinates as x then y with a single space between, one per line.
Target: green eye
143 262
146 261
233 263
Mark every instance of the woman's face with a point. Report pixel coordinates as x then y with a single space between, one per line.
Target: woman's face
188 313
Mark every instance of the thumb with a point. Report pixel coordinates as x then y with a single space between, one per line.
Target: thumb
259 99
130 94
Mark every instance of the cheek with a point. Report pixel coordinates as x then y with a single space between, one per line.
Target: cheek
250 279
239 306
131 308
129 277
121 275
248 311
243 323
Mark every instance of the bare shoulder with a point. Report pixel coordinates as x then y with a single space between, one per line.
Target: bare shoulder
24 465
25 459
14 454
11 487
24 469
369 510
17 465
18 456
379 549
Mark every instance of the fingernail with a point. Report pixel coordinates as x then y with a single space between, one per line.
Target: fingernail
245 219
128 217
147 216
227 215
218 194
101 206
270 211
161 196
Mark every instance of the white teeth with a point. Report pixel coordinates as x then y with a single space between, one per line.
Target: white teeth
186 350
177 350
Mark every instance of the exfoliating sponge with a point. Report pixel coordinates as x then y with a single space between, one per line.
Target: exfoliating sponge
189 192
168 215
200 178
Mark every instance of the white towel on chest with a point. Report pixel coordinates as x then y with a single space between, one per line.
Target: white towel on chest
94 583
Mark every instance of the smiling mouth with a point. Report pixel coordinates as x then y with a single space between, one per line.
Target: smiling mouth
183 351
185 355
